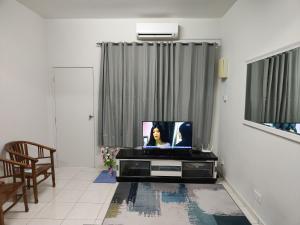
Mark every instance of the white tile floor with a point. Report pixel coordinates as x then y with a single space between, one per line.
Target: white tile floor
76 200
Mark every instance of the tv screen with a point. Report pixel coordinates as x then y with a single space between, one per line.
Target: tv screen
167 134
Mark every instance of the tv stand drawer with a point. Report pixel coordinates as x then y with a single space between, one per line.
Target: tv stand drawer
198 169
166 173
134 168
165 163
166 168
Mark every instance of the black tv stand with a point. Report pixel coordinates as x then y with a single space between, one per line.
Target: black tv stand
166 166
166 153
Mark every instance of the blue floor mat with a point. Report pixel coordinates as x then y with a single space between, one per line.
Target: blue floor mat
105 177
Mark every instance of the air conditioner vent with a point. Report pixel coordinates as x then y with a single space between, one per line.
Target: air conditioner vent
157 31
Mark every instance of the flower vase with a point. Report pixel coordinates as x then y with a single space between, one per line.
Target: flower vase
110 171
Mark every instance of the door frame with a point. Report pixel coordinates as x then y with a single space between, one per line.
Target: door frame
53 109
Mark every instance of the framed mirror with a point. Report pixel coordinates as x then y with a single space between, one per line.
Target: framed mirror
273 91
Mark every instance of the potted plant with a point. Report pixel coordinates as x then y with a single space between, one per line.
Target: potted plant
108 156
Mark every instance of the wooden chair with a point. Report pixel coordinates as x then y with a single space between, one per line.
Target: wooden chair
10 190
19 152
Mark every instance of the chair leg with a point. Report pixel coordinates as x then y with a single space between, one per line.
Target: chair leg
35 190
53 176
28 183
25 198
1 216
15 199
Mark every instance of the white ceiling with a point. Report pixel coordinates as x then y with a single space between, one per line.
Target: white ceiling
129 8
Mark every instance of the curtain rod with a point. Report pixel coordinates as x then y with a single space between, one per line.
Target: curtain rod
151 43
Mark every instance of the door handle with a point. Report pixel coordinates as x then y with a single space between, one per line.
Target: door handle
91 117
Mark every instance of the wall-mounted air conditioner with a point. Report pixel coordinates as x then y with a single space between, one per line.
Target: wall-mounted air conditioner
157 31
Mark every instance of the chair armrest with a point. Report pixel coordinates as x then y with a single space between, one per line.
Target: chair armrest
33 160
14 162
41 146
13 169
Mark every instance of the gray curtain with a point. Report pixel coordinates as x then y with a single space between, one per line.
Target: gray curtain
273 89
155 81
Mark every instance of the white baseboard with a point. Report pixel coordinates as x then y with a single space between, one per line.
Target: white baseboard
247 209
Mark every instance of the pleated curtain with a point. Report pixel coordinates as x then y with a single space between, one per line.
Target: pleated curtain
155 82
273 89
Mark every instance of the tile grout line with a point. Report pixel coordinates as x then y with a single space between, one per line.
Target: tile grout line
85 190
51 200
75 204
106 205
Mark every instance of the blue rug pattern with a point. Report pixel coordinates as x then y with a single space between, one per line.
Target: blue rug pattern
106 177
170 203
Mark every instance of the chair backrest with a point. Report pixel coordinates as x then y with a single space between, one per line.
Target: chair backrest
18 147
9 168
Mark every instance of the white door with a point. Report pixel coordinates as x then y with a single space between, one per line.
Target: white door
74 111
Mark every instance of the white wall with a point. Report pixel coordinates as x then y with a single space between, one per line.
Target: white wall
255 159
24 81
72 42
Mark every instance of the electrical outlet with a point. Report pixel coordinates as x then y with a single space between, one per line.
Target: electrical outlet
257 196
222 162
225 98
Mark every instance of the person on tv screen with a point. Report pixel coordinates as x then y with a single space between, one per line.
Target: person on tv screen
185 130
158 137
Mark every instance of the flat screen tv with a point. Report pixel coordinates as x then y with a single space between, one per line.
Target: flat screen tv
167 134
